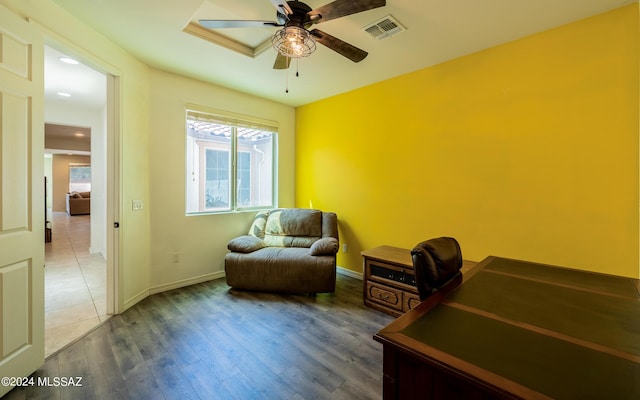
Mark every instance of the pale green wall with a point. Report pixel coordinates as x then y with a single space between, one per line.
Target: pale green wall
526 150
151 166
184 248
65 32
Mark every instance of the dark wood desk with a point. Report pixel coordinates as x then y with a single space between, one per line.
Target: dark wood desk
515 329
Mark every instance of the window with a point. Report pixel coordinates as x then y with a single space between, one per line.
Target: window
217 179
79 178
230 162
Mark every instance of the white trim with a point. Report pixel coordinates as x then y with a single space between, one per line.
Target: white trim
349 272
134 300
98 251
185 282
204 278
170 286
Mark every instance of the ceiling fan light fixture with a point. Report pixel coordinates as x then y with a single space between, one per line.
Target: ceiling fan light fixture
293 42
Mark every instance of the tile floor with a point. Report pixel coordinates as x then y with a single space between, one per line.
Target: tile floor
75 282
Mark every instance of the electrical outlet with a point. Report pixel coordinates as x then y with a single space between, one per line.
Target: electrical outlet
176 257
344 247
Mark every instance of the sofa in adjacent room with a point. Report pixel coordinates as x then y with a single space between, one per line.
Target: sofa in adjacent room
79 203
290 250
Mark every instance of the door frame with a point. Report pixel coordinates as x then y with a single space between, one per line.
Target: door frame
114 303
114 299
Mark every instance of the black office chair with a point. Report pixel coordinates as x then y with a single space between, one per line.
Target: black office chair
436 262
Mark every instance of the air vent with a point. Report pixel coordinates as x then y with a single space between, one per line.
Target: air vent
384 28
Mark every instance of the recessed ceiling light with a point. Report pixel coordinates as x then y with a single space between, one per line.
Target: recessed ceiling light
69 60
63 94
79 134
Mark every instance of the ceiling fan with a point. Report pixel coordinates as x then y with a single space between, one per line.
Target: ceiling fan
295 40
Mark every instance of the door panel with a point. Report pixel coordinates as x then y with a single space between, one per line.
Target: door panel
15 192
15 307
21 198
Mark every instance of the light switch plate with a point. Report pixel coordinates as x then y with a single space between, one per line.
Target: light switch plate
136 205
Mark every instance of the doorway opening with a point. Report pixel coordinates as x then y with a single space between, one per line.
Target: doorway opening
77 288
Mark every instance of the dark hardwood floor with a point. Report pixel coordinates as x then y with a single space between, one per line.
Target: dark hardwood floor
209 342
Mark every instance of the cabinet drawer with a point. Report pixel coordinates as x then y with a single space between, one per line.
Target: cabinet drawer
409 300
390 273
390 297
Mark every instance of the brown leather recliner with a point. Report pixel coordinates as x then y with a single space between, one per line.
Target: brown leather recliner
290 250
436 262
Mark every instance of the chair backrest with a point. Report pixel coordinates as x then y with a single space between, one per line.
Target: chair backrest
435 262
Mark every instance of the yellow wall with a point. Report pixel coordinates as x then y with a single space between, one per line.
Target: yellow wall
526 150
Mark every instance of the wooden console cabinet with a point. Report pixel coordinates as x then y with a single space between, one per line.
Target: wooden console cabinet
389 281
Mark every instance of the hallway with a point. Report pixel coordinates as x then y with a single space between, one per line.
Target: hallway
75 282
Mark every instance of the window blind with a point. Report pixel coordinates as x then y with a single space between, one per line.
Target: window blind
227 118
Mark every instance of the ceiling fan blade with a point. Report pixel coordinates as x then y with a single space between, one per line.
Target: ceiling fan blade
341 8
221 23
350 51
282 7
282 62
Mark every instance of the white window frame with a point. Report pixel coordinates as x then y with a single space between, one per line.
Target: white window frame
70 183
196 167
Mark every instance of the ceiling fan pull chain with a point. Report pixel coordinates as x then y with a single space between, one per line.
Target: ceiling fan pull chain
287 80
297 69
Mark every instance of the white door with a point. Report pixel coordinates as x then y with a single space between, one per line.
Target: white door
21 198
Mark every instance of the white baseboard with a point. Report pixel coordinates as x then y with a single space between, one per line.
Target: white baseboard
134 300
95 250
169 286
186 282
348 272
204 278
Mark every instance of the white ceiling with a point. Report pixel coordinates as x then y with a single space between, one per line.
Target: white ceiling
437 31
87 88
